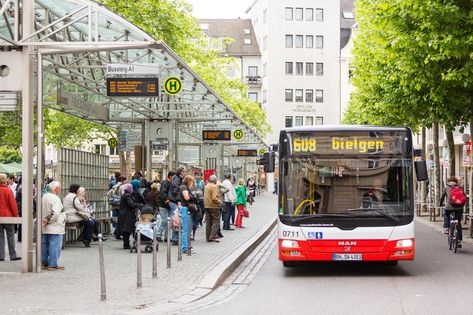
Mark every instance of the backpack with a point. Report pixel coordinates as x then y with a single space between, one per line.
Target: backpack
457 196
114 199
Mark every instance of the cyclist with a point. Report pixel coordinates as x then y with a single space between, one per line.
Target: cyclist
450 207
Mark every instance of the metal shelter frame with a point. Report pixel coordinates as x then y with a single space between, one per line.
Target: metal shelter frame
70 43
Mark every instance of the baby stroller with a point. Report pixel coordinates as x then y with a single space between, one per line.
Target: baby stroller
144 226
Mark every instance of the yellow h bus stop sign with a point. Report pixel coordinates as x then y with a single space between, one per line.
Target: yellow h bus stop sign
172 85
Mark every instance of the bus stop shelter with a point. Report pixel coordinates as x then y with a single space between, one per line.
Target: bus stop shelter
78 57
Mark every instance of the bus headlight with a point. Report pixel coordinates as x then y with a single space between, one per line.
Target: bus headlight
289 244
404 243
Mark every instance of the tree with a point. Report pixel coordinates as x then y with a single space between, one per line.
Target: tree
9 155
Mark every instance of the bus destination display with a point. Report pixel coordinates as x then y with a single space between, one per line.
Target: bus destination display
138 87
216 135
247 153
307 143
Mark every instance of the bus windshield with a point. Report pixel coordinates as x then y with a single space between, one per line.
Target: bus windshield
347 187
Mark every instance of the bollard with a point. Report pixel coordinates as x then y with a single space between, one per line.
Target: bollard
169 244
155 244
103 289
138 259
179 242
189 234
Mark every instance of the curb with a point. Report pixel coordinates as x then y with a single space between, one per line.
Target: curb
225 267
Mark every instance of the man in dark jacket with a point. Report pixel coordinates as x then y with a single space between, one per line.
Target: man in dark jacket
449 208
167 205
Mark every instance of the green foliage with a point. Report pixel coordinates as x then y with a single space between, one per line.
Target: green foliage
172 22
9 155
413 63
10 129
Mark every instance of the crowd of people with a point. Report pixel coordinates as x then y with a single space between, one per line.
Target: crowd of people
181 198
185 200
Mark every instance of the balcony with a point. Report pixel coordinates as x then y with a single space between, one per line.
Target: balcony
253 80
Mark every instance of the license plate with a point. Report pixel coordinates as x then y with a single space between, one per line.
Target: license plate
347 257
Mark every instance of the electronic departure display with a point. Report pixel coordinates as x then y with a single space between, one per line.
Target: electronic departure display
216 135
247 153
138 87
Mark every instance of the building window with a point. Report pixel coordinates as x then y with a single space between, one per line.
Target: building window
265 42
252 71
289 16
289 68
309 14
299 68
299 41
309 68
288 123
319 15
265 96
348 15
265 16
299 95
319 42
100 149
246 31
319 68
289 95
319 96
309 41
309 120
298 121
289 41
265 69
253 96
247 41
309 95
114 151
299 14
319 120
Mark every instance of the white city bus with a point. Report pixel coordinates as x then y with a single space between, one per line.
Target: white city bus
345 194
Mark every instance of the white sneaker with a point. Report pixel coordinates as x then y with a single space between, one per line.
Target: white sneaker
445 231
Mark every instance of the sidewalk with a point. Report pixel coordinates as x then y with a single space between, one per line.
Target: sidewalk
76 290
438 226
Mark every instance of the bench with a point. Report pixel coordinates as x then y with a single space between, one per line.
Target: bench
73 230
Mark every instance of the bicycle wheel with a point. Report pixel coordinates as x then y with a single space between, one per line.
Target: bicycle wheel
450 236
455 239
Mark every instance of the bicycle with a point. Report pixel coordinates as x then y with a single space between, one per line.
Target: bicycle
453 233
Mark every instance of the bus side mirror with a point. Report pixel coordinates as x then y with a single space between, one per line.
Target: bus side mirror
421 170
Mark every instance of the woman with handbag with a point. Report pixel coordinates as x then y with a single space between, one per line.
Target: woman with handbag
76 212
241 202
188 203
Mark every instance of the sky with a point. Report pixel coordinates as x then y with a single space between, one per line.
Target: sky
226 9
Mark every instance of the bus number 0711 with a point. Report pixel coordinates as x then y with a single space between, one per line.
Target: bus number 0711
290 233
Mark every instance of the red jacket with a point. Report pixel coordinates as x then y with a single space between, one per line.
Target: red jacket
7 202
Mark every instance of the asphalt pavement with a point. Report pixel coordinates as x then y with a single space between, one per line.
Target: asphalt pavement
436 282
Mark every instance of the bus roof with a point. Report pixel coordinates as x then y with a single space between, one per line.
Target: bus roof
328 128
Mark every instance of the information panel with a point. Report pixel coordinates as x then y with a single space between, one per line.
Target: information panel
138 87
247 153
216 135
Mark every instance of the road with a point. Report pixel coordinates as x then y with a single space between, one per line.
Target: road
437 282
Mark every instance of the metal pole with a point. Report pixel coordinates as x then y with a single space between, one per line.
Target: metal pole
176 143
103 288
179 242
168 259
27 145
189 234
155 244
138 259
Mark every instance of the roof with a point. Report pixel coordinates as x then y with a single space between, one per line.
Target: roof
346 24
347 128
235 29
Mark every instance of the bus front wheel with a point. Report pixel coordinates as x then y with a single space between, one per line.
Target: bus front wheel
289 264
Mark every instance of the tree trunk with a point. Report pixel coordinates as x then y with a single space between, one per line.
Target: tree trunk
451 152
424 157
435 128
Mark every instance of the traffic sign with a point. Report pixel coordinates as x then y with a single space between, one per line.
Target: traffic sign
113 142
238 134
261 151
172 85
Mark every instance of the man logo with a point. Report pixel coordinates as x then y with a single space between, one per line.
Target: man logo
347 243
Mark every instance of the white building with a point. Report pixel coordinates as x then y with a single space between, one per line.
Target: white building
300 43
243 49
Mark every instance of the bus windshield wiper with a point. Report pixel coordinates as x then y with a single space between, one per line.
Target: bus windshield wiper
317 216
377 210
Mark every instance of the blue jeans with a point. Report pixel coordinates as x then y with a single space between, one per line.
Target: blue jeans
185 231
458 216
163 227
172 207
51 245
229 212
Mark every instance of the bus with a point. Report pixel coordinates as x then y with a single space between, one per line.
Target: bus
345 194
